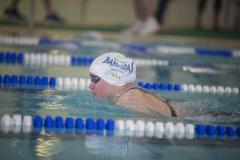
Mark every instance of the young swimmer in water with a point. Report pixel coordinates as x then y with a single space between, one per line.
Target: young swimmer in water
113 77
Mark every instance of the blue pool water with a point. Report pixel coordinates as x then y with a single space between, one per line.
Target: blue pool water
82 103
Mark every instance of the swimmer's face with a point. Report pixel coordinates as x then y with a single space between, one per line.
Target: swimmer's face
99 87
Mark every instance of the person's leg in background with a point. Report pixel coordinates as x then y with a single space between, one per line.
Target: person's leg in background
200 8
143 9
217 9
12 11
148 22
154 21
161 11
50 14
236 24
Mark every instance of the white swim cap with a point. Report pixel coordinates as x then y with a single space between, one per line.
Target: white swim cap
114 68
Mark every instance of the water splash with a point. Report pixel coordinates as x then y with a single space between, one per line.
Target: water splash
85 104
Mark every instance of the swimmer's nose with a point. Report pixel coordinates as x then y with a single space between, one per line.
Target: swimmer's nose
91 85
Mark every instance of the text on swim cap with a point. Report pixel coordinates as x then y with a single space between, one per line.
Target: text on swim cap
117 65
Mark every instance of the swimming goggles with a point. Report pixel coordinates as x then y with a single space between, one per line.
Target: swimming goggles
95 79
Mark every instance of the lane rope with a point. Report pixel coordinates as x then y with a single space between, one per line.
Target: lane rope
129 47
74 83
38 59
133 128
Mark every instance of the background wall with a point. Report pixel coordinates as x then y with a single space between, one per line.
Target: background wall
181 13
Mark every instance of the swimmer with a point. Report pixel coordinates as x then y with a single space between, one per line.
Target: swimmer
113 77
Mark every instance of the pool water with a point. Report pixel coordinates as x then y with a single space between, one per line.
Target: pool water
82 103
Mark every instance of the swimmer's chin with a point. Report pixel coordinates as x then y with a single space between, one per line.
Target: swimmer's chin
97 97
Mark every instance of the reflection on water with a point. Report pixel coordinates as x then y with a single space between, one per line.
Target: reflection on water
48 148
52 105
116 147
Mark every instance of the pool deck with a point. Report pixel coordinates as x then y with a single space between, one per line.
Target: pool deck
70 29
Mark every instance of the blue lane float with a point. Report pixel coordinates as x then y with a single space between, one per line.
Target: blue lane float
81 61
38 122
79 124
12 57
213 52
27 81
59 122
230 131
160 86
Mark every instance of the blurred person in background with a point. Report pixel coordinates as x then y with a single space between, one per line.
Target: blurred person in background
12 12
201 5
147 20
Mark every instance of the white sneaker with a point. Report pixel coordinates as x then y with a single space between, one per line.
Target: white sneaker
150 26
135 28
